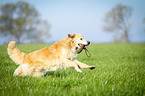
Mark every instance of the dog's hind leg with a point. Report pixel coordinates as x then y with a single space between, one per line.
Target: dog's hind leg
17 71
71 64
84 66
22 70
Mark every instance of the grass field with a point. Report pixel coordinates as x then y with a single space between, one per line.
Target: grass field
120 70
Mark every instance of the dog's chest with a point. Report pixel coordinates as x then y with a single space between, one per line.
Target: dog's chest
72 56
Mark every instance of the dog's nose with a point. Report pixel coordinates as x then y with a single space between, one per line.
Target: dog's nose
88 42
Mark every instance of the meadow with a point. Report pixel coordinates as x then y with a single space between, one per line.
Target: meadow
120 70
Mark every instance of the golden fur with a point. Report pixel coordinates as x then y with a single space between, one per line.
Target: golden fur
63 54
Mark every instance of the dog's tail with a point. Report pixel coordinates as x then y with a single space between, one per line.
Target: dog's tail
15 54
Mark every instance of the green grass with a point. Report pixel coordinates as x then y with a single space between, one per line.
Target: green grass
120 70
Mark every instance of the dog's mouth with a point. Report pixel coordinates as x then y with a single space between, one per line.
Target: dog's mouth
82 45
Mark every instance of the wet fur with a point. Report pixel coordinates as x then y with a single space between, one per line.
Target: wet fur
61 55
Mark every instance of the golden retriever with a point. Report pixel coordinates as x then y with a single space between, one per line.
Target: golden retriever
63 54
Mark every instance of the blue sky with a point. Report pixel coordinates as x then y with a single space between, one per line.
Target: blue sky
86 17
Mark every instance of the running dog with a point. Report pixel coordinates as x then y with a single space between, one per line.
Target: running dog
63 54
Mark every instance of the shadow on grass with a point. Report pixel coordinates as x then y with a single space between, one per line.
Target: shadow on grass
55 74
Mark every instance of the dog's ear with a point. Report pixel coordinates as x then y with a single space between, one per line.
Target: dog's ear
71 36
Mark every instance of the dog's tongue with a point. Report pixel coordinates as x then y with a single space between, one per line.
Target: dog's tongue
85 47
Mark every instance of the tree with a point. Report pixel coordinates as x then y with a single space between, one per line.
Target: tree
117 20
21 19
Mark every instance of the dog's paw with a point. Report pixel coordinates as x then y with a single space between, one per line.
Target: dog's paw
92 67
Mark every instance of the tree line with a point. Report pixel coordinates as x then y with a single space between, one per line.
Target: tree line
21 20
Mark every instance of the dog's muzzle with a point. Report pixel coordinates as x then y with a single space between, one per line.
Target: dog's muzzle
88 43
85 46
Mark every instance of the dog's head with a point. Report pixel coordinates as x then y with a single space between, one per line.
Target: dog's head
77 40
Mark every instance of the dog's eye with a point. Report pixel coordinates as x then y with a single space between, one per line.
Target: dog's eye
81 38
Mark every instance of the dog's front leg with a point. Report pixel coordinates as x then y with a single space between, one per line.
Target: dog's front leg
71 64
84 66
